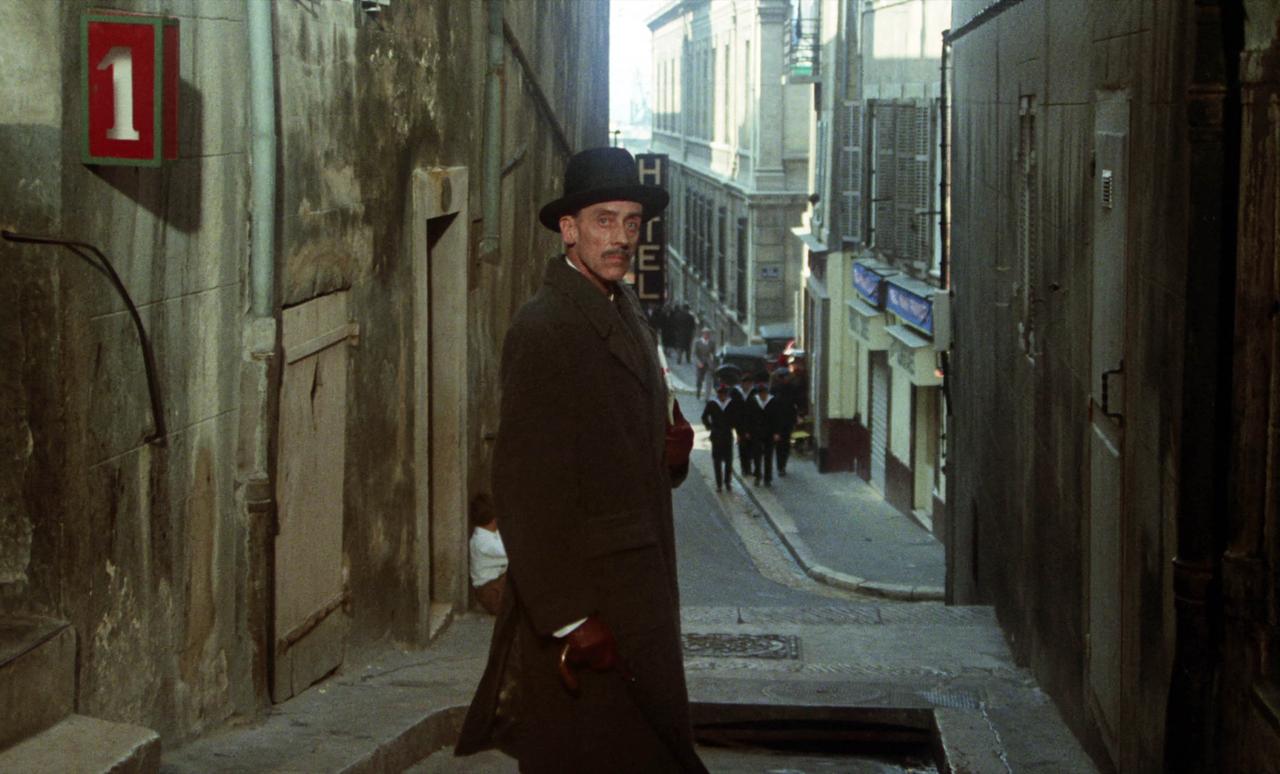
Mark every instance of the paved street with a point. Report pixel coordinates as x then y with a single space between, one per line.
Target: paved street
795 626
727 553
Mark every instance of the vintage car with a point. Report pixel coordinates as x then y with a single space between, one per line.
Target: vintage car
778 337
749 359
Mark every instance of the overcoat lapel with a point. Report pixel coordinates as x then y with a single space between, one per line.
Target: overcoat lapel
605 317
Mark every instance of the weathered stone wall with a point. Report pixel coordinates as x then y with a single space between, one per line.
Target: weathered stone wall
146 549
139 546
363 105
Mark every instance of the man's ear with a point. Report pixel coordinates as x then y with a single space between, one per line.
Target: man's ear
568 230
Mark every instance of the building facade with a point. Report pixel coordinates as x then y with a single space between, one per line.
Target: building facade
324 340
736 138
875 309
1114 370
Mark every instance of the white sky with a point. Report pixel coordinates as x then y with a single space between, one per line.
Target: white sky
629 48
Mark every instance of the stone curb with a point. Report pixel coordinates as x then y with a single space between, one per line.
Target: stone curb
784 526
434 731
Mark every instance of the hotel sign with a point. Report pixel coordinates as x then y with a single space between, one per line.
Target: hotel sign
651 253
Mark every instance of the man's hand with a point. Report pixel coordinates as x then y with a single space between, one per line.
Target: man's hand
590 646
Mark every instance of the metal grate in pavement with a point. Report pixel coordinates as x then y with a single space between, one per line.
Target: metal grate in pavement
817 614
766 646
951 699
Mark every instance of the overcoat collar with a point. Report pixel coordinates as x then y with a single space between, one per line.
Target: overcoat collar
624 337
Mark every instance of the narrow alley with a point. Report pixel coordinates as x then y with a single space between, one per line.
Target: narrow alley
319 316
861 652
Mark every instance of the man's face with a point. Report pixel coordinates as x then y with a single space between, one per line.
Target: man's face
601 240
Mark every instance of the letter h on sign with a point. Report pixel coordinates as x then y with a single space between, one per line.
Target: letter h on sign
130 88
651 254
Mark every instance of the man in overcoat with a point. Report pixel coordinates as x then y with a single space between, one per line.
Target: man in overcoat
585 670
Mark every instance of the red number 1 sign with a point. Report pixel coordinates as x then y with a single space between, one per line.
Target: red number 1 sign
130 88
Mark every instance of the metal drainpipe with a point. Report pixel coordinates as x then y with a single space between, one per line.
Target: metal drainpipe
944 179
490 242
258 360
262 158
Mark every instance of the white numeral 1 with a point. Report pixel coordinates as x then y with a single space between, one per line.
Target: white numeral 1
120 61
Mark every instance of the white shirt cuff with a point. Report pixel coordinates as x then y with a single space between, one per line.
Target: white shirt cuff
565 631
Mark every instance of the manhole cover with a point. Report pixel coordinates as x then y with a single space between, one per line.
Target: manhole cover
772 646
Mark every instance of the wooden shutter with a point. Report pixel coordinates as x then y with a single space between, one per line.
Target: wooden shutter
851 173
886 177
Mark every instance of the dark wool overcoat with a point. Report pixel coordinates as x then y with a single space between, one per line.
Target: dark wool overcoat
584 507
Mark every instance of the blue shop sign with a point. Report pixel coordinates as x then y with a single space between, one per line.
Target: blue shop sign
914 310
869 285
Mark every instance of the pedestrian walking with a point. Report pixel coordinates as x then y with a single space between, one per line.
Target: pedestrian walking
670 324
720 417
784 393
704 361
740 394
686 327
765 418
585 670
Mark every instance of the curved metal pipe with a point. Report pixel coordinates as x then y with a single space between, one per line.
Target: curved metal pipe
157 437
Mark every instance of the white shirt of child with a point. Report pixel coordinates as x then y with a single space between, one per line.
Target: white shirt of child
488 556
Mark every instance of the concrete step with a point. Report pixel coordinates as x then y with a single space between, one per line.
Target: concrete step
85 745
37 676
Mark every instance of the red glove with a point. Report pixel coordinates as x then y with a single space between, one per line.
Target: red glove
679 443
590 646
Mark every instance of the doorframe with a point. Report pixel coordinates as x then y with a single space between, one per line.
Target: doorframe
440 328
1112 115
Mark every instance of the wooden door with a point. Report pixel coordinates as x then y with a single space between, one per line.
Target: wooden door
879 417
310 627
1106 607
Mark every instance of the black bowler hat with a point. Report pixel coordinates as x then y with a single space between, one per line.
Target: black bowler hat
602 175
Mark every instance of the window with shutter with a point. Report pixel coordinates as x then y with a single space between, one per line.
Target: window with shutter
742 269
820 173
885 186
905 195
851 174
722 225
922 236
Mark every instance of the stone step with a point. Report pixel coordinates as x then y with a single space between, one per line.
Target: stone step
37 675
86 745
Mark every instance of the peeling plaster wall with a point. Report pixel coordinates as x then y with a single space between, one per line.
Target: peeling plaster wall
31 188
364 103
141 548
146 550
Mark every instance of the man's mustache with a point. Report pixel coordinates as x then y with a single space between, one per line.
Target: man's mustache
620 253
